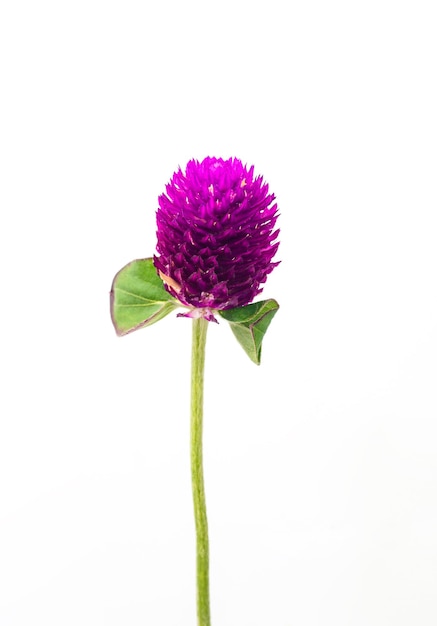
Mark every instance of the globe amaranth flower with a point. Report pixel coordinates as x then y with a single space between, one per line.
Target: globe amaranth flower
216 235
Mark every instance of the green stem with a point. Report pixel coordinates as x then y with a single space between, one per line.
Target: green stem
200 327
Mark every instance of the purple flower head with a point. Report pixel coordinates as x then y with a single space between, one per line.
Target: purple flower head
216 237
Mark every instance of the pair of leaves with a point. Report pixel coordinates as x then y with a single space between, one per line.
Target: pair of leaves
139 299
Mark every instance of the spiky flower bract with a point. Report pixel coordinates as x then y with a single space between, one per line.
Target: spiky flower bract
216 235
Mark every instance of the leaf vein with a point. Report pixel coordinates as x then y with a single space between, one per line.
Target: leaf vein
152 302
135 295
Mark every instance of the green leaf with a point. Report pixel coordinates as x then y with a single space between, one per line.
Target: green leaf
138 297
249 324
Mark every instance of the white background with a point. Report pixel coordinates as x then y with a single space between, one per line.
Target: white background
321 465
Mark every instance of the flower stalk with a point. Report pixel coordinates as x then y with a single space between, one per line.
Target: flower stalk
200 327
216 240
